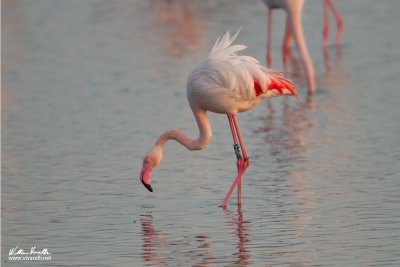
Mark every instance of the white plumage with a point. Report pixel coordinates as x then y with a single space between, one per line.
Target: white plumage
225 82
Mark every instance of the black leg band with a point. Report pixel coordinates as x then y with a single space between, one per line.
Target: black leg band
238 151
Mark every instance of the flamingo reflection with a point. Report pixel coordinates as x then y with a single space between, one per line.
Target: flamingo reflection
236 221
334 74
287 136
157 248
152 241
181 25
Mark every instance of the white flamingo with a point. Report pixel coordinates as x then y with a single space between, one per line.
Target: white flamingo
224 83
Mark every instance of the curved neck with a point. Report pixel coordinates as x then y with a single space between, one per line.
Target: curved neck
201 142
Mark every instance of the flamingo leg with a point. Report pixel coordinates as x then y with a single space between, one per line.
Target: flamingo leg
269 38
328 4
239 157
286 51
339 21
246 160
241 142
294 18
243 161
325 28
236 145
325 36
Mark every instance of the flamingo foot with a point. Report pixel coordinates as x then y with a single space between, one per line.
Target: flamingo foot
242 164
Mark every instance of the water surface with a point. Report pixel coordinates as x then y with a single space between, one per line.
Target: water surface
88 86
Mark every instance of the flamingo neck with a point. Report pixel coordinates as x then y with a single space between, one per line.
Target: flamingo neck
201 142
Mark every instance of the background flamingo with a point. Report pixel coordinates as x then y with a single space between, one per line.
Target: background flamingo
294 27
222 83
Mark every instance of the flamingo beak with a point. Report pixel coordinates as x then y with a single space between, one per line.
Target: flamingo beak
145 176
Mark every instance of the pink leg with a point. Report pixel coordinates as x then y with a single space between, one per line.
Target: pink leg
243 161
235 140
325 36
239 154
239 157
339 21
286 51
325 29
269 57
328 4
296 27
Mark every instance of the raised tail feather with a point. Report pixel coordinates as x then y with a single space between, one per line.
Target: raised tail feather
278 83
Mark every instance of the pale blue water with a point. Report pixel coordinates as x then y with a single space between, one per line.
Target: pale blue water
87 87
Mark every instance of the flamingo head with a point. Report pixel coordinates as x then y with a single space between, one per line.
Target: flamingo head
150 161
145 176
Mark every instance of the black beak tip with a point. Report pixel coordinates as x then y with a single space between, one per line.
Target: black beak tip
147 186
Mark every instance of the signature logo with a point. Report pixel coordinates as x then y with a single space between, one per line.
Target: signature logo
17 251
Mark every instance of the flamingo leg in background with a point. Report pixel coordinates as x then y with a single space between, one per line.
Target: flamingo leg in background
339 20
287 40
269 38
242 162
295 10
325 28
286 50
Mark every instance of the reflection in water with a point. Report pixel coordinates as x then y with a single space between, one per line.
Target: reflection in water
286 136
181 25
333 76
327 60
236 221
292 65
152 242
16 23
334 72
12 61
307 200
157 247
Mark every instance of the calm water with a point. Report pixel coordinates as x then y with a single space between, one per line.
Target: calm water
88 86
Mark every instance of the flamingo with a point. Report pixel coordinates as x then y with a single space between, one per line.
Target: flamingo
224 83
294 9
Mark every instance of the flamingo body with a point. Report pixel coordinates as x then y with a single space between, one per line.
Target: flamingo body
277 3
228 83
224 83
